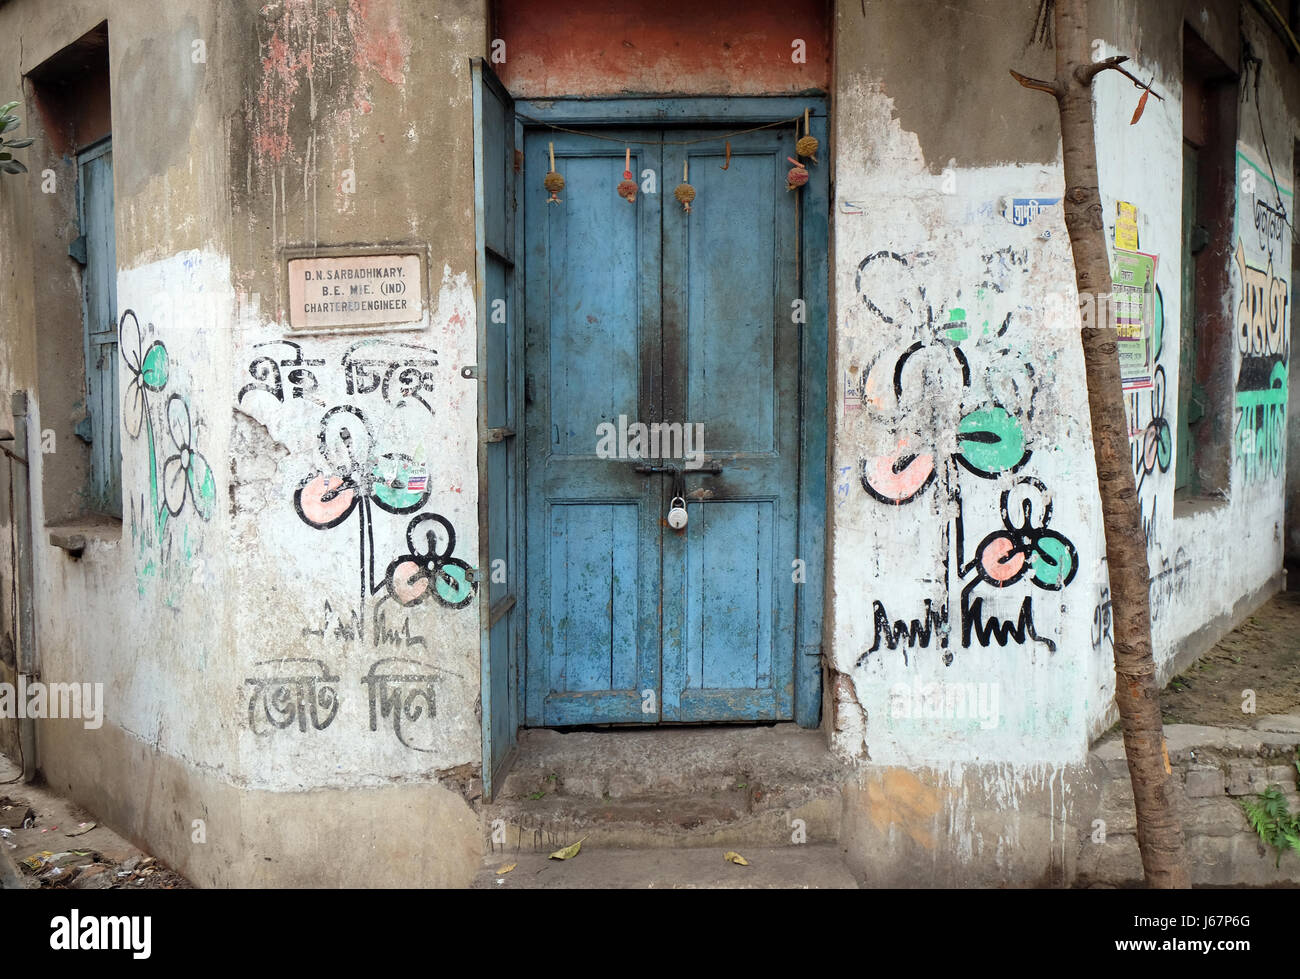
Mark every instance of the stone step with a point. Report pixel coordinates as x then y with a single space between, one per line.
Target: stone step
705 819
773 785
801 867
626 764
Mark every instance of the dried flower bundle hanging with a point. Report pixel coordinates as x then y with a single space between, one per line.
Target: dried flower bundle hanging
627 186
685 193
798 175
807 144
554 182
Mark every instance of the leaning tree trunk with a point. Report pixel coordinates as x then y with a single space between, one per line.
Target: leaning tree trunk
1159 831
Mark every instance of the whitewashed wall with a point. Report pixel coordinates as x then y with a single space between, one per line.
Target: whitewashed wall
1203 559
314 598
928 250
919 246
143 614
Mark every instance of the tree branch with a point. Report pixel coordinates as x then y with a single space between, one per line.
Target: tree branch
1037 84
1086 73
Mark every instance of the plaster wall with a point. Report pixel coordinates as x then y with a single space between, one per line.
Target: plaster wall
958 378
229 630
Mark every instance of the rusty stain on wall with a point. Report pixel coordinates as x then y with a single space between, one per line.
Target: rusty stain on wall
605 48
897 797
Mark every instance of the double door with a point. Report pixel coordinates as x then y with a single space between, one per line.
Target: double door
642 314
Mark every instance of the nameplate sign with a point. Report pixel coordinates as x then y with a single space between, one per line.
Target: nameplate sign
355 291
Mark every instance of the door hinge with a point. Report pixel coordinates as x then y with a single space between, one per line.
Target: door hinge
498 434
519 161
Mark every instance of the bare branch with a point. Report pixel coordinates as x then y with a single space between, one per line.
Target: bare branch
1086 73
1036 83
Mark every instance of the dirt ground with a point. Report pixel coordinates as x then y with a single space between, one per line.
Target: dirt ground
1262 655
47 841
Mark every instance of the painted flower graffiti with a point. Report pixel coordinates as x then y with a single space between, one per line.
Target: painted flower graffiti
357 478
357 475
429 567
990 439
184 480
148 370
1006 556
928 417
186 475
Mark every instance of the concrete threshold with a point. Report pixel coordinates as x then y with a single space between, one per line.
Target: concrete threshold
621 763
668 787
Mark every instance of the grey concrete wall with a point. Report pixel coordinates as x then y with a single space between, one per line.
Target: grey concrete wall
241 130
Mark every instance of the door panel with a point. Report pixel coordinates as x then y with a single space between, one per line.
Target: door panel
593 353
731 361
594 601
496 234
595 362
726 255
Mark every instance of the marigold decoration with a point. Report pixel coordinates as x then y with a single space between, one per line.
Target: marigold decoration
685 193
807 144
554 182
627 186
798 175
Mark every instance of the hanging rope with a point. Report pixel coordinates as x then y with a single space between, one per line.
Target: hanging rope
660 142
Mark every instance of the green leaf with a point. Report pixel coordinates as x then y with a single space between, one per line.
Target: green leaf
154 369
991 440
7 108
202 485
20 144
10 123
5 156
12 166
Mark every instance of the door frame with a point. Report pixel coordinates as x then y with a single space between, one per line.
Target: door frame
708 111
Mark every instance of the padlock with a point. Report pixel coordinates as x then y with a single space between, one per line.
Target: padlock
677 514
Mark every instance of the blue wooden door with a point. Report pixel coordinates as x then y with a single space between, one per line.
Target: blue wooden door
645 314
496 234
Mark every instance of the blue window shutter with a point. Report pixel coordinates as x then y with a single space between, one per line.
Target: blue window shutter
99 317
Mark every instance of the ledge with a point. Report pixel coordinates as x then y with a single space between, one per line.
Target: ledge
73 535
1190 504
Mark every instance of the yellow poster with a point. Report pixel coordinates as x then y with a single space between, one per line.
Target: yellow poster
1126 226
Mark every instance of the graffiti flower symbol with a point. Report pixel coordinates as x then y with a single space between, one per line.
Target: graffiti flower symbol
1156 445
428 568
148 370
186 475
1004 556
990 439
354 472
